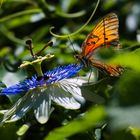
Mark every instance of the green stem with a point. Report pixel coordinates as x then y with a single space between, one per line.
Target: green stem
26 12
79 30
44 6
71 15
9 35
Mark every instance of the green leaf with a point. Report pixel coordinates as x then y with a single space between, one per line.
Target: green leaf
135 132
130 133
128 88
129 59
7 132
90 119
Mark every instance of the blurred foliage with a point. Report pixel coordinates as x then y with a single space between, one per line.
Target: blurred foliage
31 19
75 126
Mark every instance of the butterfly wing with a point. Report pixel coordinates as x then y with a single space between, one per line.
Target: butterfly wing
105 34
112 70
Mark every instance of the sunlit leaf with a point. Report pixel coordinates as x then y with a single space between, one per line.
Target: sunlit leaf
90 119
130 59
135 132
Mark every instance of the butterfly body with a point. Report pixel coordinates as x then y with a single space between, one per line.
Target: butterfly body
104 34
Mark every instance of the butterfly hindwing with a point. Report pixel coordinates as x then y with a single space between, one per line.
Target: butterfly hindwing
112 70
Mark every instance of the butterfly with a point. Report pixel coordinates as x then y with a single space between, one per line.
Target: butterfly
104 34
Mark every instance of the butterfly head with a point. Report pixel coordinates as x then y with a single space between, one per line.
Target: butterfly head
83 60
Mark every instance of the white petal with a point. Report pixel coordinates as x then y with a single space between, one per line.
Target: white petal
63 98
73 87
79 88
42 108
21 107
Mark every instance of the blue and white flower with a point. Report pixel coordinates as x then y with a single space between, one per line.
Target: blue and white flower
41 91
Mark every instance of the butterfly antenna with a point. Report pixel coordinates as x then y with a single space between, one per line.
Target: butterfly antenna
73 49
29 44
50 43
72 45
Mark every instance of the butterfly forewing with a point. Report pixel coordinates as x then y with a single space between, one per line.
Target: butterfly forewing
105 34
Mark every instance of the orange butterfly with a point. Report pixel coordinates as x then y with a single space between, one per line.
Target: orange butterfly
104 34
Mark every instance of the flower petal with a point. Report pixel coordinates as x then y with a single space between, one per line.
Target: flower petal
79 88
61 73
73 87
42 108
21 107
63 98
